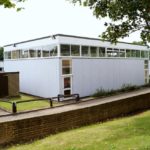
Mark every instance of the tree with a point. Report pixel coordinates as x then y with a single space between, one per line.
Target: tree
1 53
127 16
139 43
11 3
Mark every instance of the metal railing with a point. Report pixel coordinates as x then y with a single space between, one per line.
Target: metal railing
14 104
75 96
51 100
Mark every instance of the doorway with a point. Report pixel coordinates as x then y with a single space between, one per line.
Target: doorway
67 76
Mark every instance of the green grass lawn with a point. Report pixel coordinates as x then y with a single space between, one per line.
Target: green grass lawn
26 106
129 133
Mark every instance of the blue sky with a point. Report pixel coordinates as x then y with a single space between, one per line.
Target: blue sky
46 17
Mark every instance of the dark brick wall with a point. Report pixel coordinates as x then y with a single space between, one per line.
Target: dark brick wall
27 129
13 84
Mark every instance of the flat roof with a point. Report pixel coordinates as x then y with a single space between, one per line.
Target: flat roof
65 35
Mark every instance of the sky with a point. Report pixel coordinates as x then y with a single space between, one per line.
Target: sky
46 17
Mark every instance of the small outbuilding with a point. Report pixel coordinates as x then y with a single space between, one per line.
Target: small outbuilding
9 84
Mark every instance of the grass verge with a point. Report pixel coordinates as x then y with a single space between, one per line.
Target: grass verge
27 105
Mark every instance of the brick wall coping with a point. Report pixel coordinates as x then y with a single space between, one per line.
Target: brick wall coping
80 105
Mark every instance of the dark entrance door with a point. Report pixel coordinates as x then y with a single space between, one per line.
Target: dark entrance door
3 86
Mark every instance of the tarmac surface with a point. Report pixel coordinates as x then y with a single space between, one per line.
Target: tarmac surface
5 116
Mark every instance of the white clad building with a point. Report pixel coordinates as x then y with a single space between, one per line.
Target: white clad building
65 64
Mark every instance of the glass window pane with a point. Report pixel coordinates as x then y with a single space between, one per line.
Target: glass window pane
109 49
116 53
109 52
85 50
146 54
137 53
122 53
142 54
15 54
24 54
93 51
45 53
102 51
75 50
65 50
39 53
66 70
67 82
66 67
128 53
8 55
146 81
122 50
32 53
133 53
53 52
146 62
67 92
18 54
146 73
66 63
146 66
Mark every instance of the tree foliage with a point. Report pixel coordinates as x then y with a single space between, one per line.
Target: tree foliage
11 3
1 53
127 16
139 43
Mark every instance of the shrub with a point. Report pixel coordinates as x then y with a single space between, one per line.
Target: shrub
128 87
125 88
101 92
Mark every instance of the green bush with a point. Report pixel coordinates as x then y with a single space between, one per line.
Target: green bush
101 92
125 88
128 87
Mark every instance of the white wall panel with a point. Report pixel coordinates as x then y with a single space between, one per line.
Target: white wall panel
1 64
91 74
38 77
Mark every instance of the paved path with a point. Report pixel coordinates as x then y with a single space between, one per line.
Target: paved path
75 106
2 112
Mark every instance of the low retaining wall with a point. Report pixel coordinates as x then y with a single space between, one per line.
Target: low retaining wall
32 128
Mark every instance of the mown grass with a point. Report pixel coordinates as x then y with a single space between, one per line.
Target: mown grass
27 105
130 133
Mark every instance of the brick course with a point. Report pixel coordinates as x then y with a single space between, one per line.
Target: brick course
22 130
